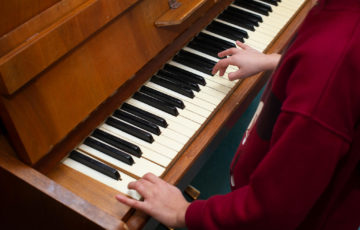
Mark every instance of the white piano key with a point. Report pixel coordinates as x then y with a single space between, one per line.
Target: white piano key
276 17
295 3
256 36
185 121
216 79
192 116
259 43
197 109
209 98
292 6
119 185
201 103
256 39
279 9
213 92
217 86
147 153
163 140
172 124
140 167
217 36
157 147
174 135
191 50
228 40
283 11
178 137
213 85
272 20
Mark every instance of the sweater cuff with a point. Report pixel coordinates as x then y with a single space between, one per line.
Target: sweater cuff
193 215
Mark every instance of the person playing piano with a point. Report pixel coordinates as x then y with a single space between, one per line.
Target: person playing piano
296 166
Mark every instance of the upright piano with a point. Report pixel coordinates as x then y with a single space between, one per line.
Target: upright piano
95 93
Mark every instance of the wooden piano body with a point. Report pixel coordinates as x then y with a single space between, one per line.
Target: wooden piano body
64 67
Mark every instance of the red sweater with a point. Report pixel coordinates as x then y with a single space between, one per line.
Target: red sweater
283 173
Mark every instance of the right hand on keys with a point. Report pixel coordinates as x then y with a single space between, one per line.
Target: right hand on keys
248 60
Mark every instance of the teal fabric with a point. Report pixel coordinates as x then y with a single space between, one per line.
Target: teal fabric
214 177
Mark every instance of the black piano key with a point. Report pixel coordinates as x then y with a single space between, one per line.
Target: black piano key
236 20
179 75
251 17
162 96
130 129
170 85
272 2
95 164
143 124
193 62
214 41
145 115
208 43
202 60
185 74
204 47
227 31
254 6
108 150
117 142
204 43
166 107
178 80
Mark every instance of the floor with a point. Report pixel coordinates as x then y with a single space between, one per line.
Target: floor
214 176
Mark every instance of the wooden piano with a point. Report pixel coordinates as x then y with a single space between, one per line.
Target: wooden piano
67 65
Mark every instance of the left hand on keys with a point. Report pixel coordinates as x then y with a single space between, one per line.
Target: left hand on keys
162 200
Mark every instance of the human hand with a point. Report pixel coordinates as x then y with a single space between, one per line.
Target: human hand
162 201
248 60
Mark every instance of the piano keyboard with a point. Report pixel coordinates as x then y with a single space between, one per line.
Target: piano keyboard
152 127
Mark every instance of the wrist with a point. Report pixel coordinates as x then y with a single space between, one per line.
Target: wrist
181 216
272 61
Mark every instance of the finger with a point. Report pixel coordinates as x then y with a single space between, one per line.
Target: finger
130 202
221 66
228 52
143 187
242 45
152 178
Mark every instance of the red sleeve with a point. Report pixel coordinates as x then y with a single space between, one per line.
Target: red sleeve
285 184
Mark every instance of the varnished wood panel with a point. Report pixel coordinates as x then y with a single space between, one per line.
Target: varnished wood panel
31 200
16 12
92 191
177 16
51 35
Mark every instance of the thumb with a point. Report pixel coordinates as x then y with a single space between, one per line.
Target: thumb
236 75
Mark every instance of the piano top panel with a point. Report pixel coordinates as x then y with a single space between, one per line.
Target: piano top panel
44 111
17 12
